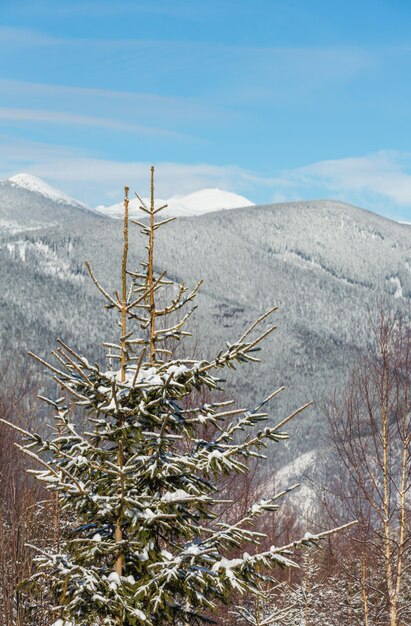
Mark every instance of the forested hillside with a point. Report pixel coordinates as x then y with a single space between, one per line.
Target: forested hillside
325 264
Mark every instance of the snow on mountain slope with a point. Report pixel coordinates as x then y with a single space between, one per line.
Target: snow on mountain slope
323 262
205 201
29 204
197 203
32 183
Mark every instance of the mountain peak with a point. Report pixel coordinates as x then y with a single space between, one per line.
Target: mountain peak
37 185
195 203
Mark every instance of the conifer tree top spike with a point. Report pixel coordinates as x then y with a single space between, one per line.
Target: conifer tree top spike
124 288
150 270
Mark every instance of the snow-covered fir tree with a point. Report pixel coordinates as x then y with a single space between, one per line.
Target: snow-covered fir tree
139 485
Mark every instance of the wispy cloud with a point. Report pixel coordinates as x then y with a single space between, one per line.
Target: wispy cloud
58 117
235 73
25 37
118 102
98 181
382 179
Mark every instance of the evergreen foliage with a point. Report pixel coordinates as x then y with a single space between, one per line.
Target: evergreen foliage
139 487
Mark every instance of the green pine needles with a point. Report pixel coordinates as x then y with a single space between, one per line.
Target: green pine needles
138 489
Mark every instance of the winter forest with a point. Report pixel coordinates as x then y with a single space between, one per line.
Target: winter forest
147 493
205 313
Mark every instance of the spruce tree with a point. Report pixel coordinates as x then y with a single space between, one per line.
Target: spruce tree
138 488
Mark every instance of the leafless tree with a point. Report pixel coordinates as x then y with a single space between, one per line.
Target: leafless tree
371 434
22 517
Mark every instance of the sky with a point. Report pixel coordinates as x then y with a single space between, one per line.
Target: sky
277 100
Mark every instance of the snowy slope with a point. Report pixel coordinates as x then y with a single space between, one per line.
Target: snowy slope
29 204
325 263
197 203
36 185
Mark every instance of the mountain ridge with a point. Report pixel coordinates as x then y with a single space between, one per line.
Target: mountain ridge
37 185
324 263
207 200
24 207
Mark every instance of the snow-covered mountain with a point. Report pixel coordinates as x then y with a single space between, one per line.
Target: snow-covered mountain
27 203
37 185
325 263
197 203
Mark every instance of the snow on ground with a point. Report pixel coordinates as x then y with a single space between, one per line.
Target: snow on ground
294 470
397 286
197 203
12 228
48 260
303 498
32 183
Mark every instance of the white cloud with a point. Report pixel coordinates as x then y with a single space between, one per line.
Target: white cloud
98 178
382 179
99 181
379 182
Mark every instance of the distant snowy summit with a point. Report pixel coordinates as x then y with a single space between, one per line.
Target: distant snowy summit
197 203
36 185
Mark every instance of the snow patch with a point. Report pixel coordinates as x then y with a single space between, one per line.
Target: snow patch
176 496
396 284
48 260
309 263
115 581
296 468
17 249
302 498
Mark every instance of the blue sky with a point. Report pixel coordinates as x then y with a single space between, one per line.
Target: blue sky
276 100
